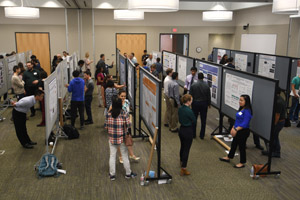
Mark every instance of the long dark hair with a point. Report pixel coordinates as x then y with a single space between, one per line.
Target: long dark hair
116 107
247 103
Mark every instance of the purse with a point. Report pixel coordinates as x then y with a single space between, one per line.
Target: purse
128 140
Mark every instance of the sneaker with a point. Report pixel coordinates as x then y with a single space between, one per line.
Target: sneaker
132 175
135 158
293 122
121 160
112 178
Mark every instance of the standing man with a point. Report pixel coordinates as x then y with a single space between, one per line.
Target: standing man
149 60
79 68
294 110
19 117
190 80
200 92
144 56
88 89
167 81
159 68
101 63
31 77
133 58
173 94
76 87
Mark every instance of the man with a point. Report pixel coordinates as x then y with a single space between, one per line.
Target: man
149 60
210 57
101 63
133 58
190 80
279 124
19 117
200 92
173 94
144 56
88 89
17 84
167 81
36 65
79 68
31 77
76 87
294 110
145 66
153 70
159 68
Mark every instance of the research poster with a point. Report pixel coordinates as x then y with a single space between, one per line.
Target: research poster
149 103
22 58
59 80
211 74
52 100
122 71
1 74
240 62
11 62
129 79
169 61
266 66
182 65
221 53
29 54
234 87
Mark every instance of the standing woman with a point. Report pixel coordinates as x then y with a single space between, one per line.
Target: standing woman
240 131
186 120
87 62
224 59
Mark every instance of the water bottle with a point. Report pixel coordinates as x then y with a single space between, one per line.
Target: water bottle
252 172
142 179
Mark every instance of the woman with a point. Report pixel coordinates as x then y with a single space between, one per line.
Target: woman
17 83
110 92
240 131
100 80
115 121
87 62
224 59
104 86
186 120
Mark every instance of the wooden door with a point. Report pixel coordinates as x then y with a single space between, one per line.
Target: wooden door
39 43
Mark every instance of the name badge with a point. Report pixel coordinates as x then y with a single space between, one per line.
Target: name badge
34 73
240 113
195 81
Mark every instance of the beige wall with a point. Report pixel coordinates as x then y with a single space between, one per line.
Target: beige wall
225 41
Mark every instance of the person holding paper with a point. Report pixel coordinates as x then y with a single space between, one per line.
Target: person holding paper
173 94
240 131
294 110
190 80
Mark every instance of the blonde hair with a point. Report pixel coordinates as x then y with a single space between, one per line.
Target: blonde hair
185 98
87 54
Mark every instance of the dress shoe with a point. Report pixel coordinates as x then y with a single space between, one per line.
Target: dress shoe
265 153
28 146
235 166
202 138
166 125
184 172
88 122
32 143
259 147
32 115
224 160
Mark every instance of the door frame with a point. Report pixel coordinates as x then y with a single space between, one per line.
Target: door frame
188 44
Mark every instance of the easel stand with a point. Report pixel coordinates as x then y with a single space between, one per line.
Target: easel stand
220 127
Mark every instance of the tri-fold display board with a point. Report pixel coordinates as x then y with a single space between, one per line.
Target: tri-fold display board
183 67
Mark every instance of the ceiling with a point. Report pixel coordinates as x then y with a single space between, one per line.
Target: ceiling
122 4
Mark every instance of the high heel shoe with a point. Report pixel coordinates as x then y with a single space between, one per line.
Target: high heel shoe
134 158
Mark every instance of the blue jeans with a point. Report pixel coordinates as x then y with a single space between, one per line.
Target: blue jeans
294 110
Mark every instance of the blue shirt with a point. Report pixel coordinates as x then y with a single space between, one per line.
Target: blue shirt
159 67
146 68
243 118
77 88
24 104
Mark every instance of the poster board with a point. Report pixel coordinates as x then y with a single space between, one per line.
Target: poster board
218 54
131 79
3 76
28 55
51 102
169 60
150 100
235 83
11 61
244 61
213 76
183 67
155 55
122 70
64 77
59 80
21 57
118 61
276 67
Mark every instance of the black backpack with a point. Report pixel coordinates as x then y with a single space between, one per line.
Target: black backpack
71 131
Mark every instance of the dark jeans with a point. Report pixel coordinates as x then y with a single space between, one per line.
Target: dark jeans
88 102
256 139
74 106
240 140
186 140
20 126
294 110
200 107
276 144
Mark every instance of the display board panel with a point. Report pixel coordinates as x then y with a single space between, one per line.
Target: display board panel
218 54
122 70
184 65
11 61
131 78
150 101
244 61
59 76
21 57
51 102
295 71
28 55
118 62
213 76
276 67
3 77
65 76
169 61
235 83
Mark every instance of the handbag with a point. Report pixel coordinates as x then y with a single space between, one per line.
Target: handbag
128 140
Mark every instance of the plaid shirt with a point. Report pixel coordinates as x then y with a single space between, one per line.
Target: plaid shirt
117 127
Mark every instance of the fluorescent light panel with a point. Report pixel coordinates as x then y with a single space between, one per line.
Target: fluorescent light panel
128 15
22 12
154 5
217 16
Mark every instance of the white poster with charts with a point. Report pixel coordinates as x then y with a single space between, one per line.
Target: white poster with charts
240 62
235 87
169 61
182 65
266 66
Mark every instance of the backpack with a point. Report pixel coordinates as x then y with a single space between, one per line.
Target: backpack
71 131
47 166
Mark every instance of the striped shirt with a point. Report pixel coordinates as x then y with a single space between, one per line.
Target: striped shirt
117 127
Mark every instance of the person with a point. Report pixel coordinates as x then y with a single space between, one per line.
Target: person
168 79
210 56
65 55
88 89
200 92
33 57
101 63
294 109
279 124
100 81
104 86
36 65
240 131
159 68
110 92
31 77
173 94
79 68
76 87
230 63
54 63
43 76
125 55
190 80
133 58
87 62
186 120
149 60
223 61
145 66
19 117
144 56
115 121
17 83
153 70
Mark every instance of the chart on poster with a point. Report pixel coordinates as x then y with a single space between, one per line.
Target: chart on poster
169 61
234 87
240 62
266 66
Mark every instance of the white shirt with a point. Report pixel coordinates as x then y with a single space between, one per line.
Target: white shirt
167 81
149 62
134 60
